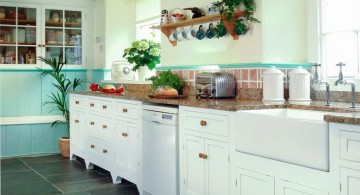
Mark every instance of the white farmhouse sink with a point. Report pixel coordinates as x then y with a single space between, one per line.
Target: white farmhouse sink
294 136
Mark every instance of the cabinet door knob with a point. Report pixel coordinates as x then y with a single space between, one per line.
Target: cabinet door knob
92 123
104 151
77 121
77 102
43 45
203 156
104 126
124 134
124 110
92 105
39 45
92 146
203 123
104 107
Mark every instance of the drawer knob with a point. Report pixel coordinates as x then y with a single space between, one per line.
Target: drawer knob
92 146
203 156
203 123
92 123
77 121
124 134
104 107
124 110
104 151
92 105
104 126
77 102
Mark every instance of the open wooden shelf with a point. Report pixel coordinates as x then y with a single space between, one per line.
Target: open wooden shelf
168 28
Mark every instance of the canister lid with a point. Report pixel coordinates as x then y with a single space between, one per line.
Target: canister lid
273 72
299 71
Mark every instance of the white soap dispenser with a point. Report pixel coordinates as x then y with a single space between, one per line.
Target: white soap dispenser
273 85
299 85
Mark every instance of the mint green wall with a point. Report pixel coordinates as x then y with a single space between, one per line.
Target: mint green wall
22 93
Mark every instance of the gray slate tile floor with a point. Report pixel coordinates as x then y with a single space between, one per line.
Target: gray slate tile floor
54 174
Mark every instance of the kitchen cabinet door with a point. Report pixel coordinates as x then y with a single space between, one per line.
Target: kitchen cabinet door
289 188
63 34
252 183
350 181
127 143
19 34
77 129
194 166
217 168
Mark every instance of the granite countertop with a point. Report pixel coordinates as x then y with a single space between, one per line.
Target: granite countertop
342 112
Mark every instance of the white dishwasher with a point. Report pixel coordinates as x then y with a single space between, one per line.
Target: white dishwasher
160 150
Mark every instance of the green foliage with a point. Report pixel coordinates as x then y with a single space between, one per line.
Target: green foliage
227 9
166 78
143 53
63 86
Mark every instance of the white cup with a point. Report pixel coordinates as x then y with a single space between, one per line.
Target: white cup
179 36
191 33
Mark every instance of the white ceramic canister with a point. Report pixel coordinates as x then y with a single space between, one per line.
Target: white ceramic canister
299 85
273 85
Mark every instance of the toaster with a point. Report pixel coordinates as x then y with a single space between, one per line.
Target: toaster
215 85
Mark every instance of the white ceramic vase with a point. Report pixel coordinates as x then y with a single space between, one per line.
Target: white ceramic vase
144 73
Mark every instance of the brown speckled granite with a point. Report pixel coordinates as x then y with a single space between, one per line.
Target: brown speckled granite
344 118
335 96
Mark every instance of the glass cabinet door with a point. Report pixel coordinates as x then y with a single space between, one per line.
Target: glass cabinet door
18 28
63 35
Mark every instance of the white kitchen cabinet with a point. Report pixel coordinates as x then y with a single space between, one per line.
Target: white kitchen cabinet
289 188
206 166
345 140
204 151
252 183
77 129
50 31
127 143
350 181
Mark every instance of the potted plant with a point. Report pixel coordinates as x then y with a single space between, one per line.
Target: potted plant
227 9
58 99
145 54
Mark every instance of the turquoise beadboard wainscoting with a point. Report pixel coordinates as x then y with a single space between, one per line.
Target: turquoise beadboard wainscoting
22 94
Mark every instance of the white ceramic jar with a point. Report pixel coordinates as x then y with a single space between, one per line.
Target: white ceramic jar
273 85
299 85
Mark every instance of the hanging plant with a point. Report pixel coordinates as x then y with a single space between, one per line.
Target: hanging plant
227 10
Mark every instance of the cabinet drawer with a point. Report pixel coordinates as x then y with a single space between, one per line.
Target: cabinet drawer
99 148
77 102
208 123
100 106
350 146
127 110
100 127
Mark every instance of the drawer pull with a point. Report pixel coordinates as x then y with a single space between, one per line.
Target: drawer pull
104 151
203 156
92 146
92 123
104 126
125 110
77 121
92 105
77 102
203 123
104 107
124 134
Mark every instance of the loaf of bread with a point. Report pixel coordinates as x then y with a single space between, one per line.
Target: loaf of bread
166 90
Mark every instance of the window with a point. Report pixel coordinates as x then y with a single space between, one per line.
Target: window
340 37
144 31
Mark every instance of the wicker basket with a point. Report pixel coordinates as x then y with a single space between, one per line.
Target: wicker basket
64 146
177 11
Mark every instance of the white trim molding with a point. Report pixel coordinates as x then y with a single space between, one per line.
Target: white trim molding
25 120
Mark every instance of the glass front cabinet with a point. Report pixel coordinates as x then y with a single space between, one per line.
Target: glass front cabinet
31 31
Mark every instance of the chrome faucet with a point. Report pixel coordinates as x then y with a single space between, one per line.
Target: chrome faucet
316 81
345 82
